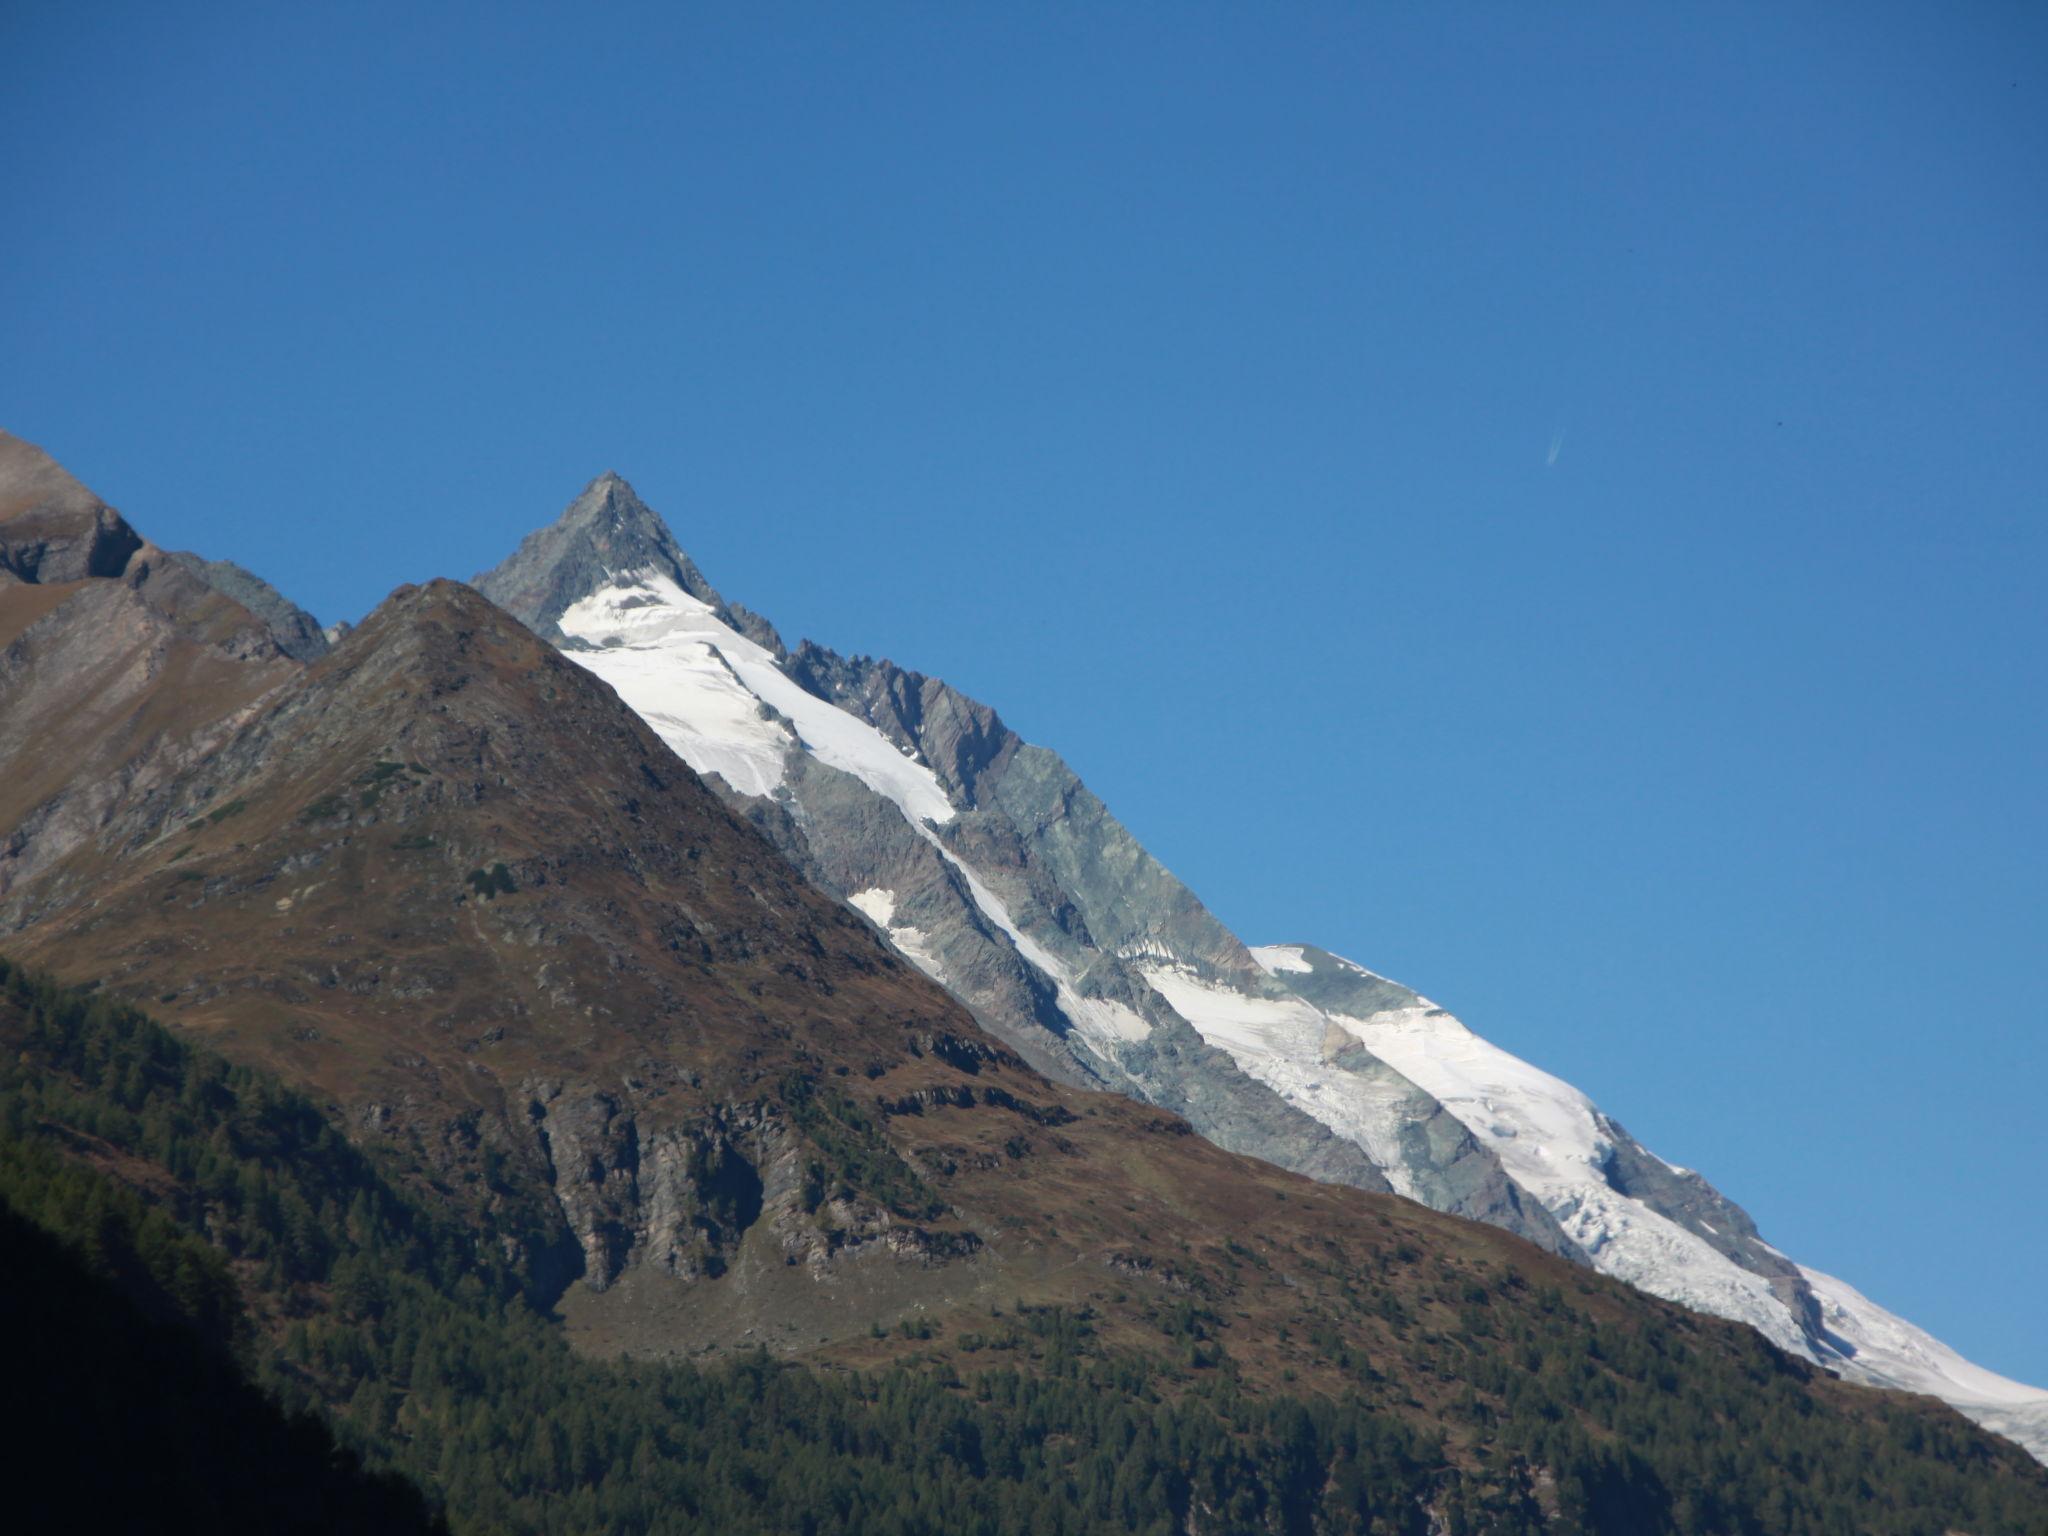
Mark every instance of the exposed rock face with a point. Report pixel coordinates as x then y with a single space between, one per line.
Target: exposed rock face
593 1157
297 633
606 530
682 1201
960 739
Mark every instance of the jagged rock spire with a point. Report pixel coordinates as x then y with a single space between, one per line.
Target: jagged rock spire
605 532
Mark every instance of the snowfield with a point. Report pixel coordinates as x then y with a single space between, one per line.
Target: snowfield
1554 1143
1282 1043
690 675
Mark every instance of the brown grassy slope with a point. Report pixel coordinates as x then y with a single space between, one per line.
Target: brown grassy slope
118 670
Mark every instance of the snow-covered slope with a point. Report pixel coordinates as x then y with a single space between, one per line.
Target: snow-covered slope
994 870
703 685
1559 1146
1867 1343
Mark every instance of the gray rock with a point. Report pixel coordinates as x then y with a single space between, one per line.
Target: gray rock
297 632
606 531
52 529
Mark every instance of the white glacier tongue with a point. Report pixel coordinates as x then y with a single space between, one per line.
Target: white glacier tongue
1556 1144
1876 1347
700 684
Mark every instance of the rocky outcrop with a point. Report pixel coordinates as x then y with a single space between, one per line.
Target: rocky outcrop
606 530
681 1199
960 740
297 633
52 529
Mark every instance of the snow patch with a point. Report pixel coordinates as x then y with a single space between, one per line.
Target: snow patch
700 683
918 949
875 904
1556 1145
1284 1043
1276 958
879 907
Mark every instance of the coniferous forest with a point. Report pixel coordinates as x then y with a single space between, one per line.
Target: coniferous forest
204 1270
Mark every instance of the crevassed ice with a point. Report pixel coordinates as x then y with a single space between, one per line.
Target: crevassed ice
1281 1042
1886 1350
1554 1143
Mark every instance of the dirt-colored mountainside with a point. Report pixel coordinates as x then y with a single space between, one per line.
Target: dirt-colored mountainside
118 667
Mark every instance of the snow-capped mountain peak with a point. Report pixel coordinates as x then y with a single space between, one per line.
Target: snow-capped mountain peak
994 870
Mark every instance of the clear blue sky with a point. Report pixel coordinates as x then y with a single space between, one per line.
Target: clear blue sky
1546 500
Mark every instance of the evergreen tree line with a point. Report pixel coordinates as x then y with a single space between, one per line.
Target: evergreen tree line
210 1199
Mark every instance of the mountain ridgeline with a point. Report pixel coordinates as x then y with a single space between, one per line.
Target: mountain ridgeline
688 1113
1000 875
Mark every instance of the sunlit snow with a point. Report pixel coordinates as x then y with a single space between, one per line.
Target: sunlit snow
688 675
1283 1043
879 907
1556 1145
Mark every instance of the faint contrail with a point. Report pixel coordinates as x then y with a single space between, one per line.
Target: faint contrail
1556 447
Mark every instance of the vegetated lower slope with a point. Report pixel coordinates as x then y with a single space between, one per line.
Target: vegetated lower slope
217 1230
129 1354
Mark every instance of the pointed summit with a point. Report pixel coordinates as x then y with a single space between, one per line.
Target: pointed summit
605 534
